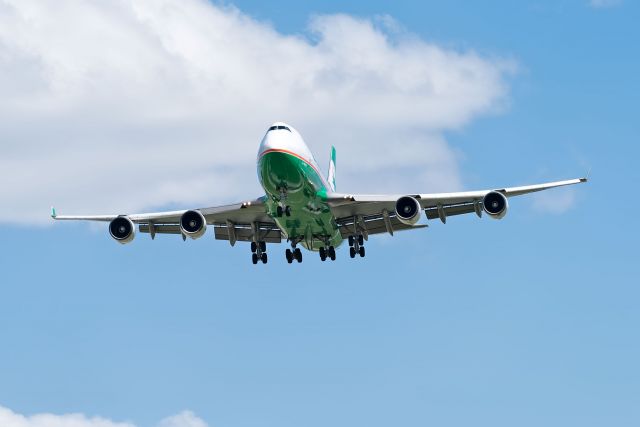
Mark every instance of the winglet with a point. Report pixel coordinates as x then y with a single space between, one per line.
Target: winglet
53 213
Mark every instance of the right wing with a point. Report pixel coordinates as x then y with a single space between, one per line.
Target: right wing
372 214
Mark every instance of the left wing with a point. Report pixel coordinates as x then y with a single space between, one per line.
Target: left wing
244 221
378 212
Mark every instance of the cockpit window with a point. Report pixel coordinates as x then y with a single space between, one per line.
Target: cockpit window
279 128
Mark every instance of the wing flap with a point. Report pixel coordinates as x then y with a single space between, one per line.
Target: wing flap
161 228
451 210
267 233
372 224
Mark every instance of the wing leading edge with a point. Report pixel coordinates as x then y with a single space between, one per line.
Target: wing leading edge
236 222
370 207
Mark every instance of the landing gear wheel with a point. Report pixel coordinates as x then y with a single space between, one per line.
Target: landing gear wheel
254 258
264 257
298 255
279 211
360 240
287 210
254 247
351 240
263 247
289 255
332 253
323 253
361 251
352 252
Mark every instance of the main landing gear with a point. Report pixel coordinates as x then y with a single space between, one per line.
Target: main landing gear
293 254
258 252
356 246
329 252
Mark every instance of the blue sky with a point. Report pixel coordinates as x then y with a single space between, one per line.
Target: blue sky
527 321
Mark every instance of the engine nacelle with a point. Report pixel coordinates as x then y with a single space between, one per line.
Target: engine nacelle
193 224
495 204
408 210
122 229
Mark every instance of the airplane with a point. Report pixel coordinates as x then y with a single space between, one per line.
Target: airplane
303 207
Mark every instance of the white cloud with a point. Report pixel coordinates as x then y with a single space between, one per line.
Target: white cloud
183 419
600 4
128 105
9 418
557 201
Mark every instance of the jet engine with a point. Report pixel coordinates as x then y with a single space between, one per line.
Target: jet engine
495 204
122 229
193 224
408 210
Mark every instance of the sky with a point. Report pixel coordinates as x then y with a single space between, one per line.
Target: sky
126 106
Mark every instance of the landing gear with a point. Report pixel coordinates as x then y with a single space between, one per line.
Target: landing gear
280 211
282 207
329 252
295 254
356 244
259 252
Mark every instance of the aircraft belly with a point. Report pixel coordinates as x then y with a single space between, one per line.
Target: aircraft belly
311 219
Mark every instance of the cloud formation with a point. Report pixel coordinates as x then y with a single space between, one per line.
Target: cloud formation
9 418
556 202
126 105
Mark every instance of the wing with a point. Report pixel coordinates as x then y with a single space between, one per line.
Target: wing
373 214
235 222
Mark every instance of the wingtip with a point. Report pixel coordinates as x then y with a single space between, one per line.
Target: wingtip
53 213
585 179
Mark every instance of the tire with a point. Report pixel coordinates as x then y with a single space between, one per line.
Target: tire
361 251
254 258
352 252
298 254
254 247
360 240
350 240
288 255
323 253
264 257
332 253
279 211
287 211
263 247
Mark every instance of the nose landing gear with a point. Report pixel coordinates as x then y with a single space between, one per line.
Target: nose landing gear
283 208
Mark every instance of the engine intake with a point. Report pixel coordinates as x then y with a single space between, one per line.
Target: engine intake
193 224
408 210
122 229
495 204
